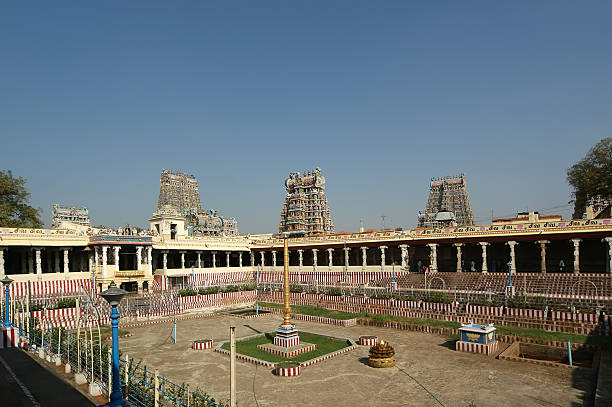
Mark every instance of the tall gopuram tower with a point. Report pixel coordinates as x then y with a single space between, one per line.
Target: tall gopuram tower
305 211
179 198
448 203
179 191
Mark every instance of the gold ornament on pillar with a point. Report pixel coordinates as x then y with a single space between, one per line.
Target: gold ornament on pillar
287 307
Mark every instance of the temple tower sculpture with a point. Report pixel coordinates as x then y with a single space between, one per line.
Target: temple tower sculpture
448 203
179 201
305 211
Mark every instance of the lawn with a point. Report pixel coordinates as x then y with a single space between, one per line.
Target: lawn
324 344
537 334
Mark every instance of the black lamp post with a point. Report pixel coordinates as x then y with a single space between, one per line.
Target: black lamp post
6 282
113 296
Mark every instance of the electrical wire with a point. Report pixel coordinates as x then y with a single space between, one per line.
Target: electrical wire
417 382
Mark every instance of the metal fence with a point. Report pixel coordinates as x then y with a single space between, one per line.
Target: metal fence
89 356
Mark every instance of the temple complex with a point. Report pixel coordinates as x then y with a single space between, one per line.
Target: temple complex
185 243
448 204
305 211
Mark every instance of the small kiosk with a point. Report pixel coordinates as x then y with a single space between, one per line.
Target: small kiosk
477 338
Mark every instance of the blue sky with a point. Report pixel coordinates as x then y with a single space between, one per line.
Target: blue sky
97 97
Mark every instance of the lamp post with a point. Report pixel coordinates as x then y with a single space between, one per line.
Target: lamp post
113 296
6 282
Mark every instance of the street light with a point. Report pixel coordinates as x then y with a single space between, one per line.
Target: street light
113 296
6 282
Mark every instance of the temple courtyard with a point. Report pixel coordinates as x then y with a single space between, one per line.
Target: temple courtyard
429 371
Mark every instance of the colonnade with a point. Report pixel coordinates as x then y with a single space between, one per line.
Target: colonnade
100 257
511 265
31 260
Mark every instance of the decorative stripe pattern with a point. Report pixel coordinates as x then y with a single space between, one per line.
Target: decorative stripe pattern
287 342
10 338
289 354
477 347
202 344
288 371
368 340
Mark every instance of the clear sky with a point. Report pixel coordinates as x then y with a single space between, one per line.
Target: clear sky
97 97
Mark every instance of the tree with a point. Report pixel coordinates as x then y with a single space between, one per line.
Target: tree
592 175
15 210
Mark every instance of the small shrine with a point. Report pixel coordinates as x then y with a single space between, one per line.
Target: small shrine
477 338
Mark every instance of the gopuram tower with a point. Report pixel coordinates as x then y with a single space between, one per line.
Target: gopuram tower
179 191
305 211
448 203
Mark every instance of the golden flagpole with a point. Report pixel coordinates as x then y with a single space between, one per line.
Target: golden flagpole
287 308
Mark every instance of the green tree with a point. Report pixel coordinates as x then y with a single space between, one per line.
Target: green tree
592 175
15 210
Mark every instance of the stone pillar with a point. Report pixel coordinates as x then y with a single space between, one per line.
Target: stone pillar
2 262
150 256
364 258
458 246
165 262
252 260
301 255
138 257
433 257
330 256
38 265
263 259
314 259
227 259
182 259
273 260
484 256
404 249
214 259
512 256
56 258
346 257
30 262
199 259
104 272
382 258
97 255
66 263
81 261
543 255
116 256
23 263
90 259
609 253
150 260
576 255
240 260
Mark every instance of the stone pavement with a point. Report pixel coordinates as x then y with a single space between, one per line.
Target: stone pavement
25 383
427 366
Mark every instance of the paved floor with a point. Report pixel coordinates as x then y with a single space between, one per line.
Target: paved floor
429 372
25 383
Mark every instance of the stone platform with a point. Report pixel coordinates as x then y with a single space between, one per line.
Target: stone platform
290 352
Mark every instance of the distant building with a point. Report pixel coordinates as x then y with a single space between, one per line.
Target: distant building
305 211
598 207
60 215
448 204
525 218
179 210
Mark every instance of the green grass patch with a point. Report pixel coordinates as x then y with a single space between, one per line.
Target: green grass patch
604 342
324 344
